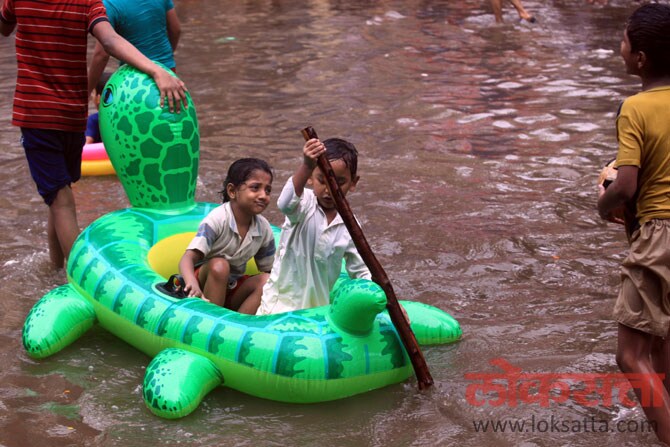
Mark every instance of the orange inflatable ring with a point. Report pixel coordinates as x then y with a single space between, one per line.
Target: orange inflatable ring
94 160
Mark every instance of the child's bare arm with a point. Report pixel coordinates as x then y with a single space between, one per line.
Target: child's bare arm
171 88
187 270
98 64
618 193
311 151
173 28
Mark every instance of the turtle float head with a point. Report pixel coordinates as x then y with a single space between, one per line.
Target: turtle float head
155 152
355 305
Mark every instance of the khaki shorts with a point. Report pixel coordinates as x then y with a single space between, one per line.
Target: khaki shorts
643 301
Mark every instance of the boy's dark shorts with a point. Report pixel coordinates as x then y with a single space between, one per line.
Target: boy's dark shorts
54 159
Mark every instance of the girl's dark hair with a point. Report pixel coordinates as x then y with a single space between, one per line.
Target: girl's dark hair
240 171
648 29
339 149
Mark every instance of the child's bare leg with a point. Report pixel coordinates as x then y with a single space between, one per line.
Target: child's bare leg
248 296
55 252
63 219
523 14
497 10
660 358
215 276
634 349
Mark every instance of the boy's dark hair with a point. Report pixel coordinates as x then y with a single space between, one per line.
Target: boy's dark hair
648 29
339 149
240 171
104 77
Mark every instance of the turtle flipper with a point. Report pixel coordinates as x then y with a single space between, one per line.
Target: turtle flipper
176 381
56 320
431 325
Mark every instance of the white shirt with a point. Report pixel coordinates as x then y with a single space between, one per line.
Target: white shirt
310 254
217 236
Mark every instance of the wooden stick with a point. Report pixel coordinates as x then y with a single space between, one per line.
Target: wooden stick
378 274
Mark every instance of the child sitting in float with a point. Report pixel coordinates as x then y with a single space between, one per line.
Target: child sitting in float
228 237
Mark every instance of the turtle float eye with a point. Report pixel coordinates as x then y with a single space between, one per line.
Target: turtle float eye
107 96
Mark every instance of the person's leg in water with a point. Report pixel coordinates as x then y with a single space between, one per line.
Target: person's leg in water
634 356
660 358
62 226
498 14
523 14
497 10
55 252
54 160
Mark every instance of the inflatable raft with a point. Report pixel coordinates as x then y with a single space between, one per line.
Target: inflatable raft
118 263
94 160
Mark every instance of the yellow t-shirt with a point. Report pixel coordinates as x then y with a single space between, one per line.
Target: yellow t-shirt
643 131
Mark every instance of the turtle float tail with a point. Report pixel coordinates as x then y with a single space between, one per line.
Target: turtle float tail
431 325
357 303
55 321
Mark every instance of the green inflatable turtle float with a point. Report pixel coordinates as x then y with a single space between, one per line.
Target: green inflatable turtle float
118 263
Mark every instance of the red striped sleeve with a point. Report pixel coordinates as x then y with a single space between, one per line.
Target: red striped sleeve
51 45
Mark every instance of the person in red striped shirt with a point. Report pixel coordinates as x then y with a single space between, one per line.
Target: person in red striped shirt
51 97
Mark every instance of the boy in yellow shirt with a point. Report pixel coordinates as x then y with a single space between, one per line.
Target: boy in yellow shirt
643 162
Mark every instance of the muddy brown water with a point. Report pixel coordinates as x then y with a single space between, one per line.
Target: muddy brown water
480 147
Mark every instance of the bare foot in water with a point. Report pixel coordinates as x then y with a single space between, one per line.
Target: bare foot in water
523 14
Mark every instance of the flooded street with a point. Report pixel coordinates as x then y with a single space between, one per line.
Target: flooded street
480 146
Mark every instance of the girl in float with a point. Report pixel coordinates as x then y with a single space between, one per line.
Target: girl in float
228 237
